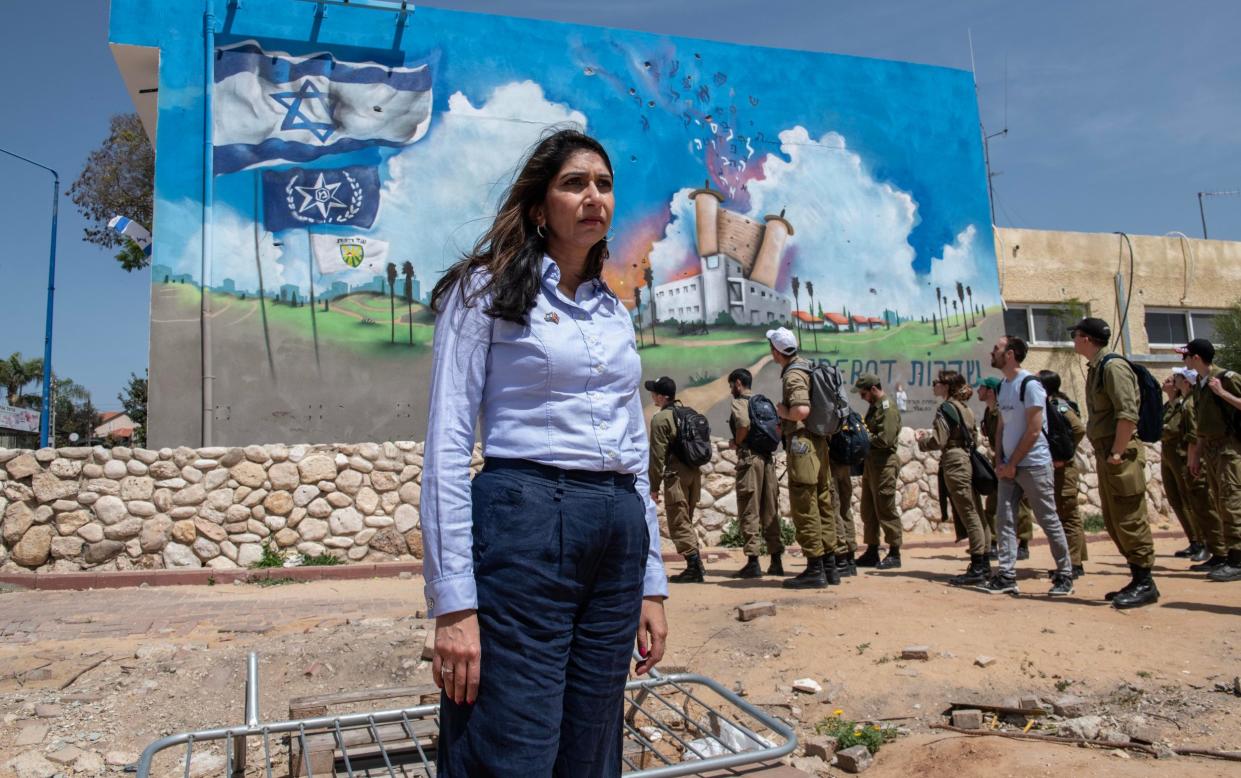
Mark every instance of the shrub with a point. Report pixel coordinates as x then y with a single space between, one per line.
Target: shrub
853 733
732 537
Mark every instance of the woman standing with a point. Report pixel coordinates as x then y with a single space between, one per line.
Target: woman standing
540 571
1187 495
953 433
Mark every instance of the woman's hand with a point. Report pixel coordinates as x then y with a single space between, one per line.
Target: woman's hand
652 634
458 653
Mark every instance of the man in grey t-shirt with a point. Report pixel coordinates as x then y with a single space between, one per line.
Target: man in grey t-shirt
1024 467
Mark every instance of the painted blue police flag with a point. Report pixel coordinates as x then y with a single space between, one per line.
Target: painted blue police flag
273 107
297 197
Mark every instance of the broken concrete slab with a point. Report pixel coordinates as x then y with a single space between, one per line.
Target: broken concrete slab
916 652
807 686
753 610
967 719
855 759
1071 706
32 733
821 746
983 660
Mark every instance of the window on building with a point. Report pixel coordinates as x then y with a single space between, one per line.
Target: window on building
1039 325
713 263
1175 327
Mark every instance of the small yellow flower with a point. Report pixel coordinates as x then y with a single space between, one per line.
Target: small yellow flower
876 727
838 712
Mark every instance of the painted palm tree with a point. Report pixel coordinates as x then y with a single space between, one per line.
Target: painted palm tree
407 270
797 307
637 306
649 276
964 319
813 332
973 311
941 305
15 373
392 297
954 314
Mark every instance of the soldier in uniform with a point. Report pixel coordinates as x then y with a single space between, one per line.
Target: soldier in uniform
953 433
846 532
758 490
1025 516
1174 462
681 482
1113 402
1195 490
1215 449
879 479
812 494
1068 475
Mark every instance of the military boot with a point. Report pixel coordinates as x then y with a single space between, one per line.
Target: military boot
1143 592
845 565
811 578
1230 570
776 567
1214 561
693 572
892 560
752 569
869 558
977 572
1133 581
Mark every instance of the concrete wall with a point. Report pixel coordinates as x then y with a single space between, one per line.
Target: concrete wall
1048 267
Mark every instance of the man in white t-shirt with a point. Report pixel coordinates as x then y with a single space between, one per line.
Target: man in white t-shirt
1024 467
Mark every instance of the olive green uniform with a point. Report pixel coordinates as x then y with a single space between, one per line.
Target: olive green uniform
1067 480
879 480
1025 514
681 482
758 488
1111 397
953 433
846 532
812 495
1219 452
1174 467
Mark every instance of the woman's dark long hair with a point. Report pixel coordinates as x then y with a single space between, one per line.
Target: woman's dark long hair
511 250
958 389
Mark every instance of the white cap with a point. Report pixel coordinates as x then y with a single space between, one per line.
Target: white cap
784 341
1188 373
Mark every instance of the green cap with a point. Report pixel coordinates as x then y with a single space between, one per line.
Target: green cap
866 381
991 383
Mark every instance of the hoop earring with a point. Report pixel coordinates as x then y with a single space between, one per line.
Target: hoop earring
540 231
611 234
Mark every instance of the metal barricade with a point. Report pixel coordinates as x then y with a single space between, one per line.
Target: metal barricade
676 724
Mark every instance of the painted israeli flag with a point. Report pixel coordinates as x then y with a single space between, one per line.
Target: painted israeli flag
273 107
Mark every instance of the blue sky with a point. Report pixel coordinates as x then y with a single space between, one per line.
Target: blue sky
1118 114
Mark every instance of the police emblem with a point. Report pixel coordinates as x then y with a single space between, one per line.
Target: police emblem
352 254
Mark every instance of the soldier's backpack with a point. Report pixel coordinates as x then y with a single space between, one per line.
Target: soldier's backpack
764 434
1232 417
1059 432
851 442
982 474
693 443
1150 409
829 405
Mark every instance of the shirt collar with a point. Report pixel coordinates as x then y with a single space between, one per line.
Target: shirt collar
551 277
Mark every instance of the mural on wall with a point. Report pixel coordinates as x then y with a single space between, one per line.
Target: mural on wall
841 197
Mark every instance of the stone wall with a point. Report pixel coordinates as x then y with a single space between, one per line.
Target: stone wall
72 509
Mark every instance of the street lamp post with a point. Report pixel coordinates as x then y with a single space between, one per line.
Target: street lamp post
45 415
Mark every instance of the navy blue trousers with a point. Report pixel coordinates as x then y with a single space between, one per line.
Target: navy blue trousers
559 560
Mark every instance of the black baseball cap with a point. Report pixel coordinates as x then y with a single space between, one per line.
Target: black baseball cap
662 385
1092 328
1198 347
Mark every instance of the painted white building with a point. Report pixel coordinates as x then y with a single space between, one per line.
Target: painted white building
718 286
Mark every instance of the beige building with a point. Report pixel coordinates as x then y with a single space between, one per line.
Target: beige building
1155 292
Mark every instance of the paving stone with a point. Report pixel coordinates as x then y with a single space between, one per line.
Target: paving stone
916 652
752 610
967 719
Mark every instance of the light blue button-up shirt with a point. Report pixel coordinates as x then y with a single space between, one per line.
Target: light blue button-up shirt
561 390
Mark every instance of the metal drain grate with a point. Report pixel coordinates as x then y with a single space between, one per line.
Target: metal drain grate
677 724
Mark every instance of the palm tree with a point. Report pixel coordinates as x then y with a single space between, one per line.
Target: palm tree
649 276
954 310
964 319
392 297
973 310
637 306
797 307
407 270
15 373
813 332
941 305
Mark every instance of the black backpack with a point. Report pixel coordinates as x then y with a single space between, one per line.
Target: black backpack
764 434
851 443
693 443
829 405
982 474
1150 410
1059 432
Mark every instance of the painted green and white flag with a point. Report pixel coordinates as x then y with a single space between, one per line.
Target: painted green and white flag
340 253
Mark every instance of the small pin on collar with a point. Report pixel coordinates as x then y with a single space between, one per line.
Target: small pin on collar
552 316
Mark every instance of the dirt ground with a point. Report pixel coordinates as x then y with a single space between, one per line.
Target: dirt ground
88 678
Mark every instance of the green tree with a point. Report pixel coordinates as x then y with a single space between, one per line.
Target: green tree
1227 338
134 400
392 297
16 373
648 275
813 332
118 179
407 270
